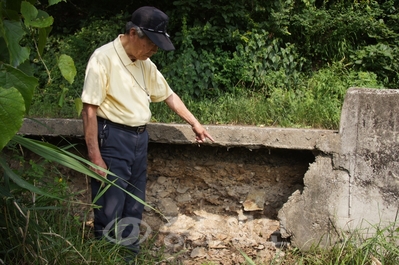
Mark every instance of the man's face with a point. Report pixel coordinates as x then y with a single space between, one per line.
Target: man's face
142 48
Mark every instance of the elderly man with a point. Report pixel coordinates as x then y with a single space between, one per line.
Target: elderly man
121 82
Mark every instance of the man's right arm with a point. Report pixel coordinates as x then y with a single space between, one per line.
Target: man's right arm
89 116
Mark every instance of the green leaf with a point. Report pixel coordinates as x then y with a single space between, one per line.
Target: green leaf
26 68
43 34
29 12
61 100
67 67
11 114
42 22
35 18
53 2
13 33
78 105
12 77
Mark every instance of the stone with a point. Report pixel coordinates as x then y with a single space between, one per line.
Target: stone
169 207
255 200
181 189
198 252
161 180
183 198
241 217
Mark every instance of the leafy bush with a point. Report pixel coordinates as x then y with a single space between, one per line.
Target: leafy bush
381 59
223 48
317 101
313 102
55 96
364 33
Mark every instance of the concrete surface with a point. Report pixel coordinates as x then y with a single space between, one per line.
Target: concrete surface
244 136
356 188
353 183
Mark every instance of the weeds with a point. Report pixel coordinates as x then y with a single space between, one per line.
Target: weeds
355 248
314 103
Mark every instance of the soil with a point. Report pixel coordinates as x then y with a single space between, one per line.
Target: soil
215 201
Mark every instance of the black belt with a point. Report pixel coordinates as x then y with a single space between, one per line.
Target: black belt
138 129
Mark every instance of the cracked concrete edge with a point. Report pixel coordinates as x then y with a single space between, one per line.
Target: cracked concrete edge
230 136
356 188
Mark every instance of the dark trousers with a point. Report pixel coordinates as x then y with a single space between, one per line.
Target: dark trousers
125 153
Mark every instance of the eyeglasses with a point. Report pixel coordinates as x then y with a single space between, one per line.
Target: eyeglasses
156 31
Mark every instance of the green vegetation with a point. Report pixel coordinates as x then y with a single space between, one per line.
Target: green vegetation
46 227
355 248
272 63
266 63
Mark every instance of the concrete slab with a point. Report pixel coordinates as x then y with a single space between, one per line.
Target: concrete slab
357 188
370 147
230 136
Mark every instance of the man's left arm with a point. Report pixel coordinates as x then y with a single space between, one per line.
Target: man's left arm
176 104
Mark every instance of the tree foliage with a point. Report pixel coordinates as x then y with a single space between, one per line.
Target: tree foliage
226 46
23 33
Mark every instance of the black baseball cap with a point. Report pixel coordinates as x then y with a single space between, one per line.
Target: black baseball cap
153 22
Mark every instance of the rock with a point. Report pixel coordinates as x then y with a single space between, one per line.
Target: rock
169 207
163 194
241 216
183 198
198 252
255 200
161 180
216 244
181 189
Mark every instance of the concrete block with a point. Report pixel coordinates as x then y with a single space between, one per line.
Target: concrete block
355 187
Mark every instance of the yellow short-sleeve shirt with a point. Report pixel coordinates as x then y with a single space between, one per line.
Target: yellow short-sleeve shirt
122 89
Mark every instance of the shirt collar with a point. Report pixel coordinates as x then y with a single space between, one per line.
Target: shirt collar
121 51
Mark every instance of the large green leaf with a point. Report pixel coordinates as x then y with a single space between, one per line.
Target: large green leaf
29 12
78 106
12 77
35 18
43 20
53 2
67 67
12 112
12 32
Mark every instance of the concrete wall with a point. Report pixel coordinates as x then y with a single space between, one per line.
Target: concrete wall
356 188
353 183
